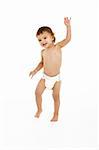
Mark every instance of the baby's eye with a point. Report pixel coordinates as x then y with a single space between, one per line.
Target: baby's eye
39 40
44 37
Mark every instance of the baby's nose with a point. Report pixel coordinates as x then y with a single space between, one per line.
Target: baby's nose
43 42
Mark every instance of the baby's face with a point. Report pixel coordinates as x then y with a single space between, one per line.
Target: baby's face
45 39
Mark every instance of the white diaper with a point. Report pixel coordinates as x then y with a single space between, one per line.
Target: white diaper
50 81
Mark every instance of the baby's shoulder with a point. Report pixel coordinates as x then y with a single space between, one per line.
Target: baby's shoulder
57 46
42 51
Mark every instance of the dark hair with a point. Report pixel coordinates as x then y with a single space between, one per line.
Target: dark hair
47 29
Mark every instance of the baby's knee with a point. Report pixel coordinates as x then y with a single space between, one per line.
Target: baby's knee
38 93
56 96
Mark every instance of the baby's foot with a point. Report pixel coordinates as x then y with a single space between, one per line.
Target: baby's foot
55 118
37 115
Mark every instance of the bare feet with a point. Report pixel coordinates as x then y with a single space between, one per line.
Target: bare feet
55 118
37 115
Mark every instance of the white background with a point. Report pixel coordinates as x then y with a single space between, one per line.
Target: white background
20 52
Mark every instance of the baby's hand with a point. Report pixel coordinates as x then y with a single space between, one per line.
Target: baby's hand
32 73
67 21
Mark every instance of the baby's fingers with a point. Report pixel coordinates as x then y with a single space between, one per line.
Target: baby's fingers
66 19
31 76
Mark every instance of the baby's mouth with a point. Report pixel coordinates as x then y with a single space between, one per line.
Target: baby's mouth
44 44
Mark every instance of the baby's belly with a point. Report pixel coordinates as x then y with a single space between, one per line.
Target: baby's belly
51 69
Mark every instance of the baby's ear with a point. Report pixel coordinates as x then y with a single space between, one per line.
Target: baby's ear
54 38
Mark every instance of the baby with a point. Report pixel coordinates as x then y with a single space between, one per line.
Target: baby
51 63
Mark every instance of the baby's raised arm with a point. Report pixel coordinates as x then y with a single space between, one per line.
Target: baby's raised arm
68 35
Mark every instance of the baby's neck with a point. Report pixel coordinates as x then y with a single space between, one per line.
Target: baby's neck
50 46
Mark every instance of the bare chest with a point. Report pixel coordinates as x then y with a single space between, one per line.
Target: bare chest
52 55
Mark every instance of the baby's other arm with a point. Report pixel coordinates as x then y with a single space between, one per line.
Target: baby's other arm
68 35
39 66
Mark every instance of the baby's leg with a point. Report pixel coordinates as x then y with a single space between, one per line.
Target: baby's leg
56 93
38 93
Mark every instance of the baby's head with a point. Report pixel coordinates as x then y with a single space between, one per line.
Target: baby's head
45 36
